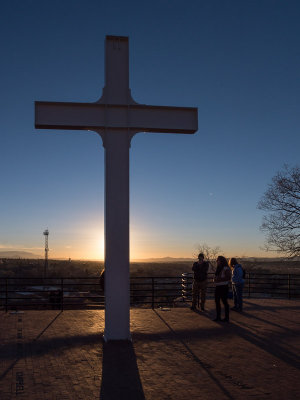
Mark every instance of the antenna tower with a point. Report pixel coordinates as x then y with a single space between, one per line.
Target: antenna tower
46 234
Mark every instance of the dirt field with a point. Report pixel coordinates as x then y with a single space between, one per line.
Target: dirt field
177 268
74 268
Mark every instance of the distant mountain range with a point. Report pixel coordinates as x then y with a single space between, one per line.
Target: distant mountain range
18 254
29 255
164 259
183 259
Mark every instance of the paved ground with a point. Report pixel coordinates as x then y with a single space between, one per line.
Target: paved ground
176 354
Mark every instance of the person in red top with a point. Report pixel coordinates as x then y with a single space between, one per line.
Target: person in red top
222 280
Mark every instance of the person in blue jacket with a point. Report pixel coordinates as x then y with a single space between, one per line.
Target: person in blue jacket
237 281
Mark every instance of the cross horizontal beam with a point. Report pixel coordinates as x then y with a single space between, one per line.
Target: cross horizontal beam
135 117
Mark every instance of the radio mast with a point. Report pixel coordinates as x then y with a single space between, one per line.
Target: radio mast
46 234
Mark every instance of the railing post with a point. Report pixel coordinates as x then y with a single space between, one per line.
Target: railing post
249 284
6 295
152 284
62 294
289 286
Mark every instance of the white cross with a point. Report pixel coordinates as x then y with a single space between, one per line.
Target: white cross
117 118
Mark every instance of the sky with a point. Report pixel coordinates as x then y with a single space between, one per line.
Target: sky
237 61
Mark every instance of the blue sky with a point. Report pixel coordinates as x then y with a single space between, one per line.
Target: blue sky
237 61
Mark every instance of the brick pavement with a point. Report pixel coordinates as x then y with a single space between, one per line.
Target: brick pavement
176 354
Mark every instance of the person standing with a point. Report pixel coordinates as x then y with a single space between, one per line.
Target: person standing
200 269
222 279
102 279
237 281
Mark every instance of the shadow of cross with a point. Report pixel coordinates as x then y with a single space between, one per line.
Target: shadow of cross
117 118
120 374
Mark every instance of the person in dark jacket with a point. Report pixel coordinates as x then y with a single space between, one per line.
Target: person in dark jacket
200 269
102 278
237 281
222 279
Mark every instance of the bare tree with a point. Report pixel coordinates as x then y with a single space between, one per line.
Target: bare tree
210 253
282 202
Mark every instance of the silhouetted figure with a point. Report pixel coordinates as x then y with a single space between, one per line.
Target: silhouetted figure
237 281
200 269
102 279
222 279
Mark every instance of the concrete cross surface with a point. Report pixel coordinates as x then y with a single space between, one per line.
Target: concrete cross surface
117 118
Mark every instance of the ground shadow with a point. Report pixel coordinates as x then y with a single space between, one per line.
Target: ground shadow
269 307
206 367
209 315
9 349
48 326
120 374
266 321
272 343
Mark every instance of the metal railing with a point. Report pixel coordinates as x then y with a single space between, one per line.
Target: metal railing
257 284
76 293
50 293
155 291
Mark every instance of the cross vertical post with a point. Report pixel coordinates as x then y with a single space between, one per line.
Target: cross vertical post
116 143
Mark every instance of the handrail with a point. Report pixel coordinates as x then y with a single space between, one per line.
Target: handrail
257 284
85 292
